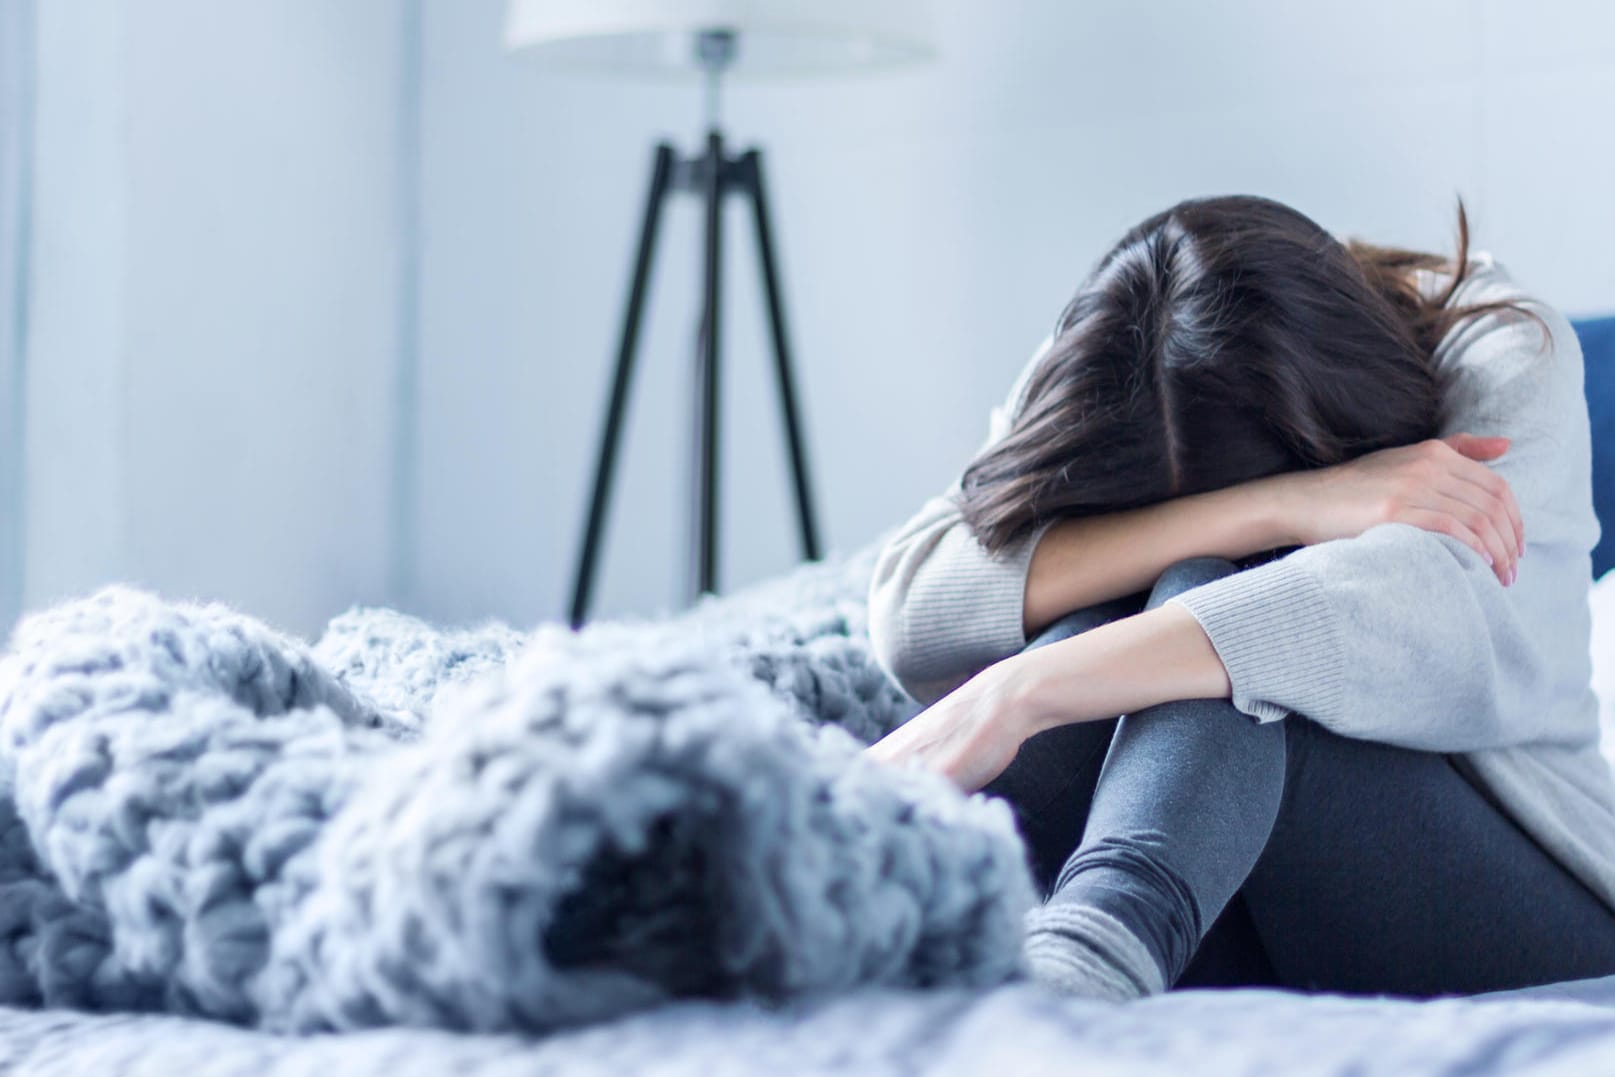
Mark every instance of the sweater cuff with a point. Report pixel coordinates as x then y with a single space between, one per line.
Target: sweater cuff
959 622
1277 636
987 595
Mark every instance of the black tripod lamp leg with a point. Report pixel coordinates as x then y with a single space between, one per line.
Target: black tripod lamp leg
706 553
753 180
661 178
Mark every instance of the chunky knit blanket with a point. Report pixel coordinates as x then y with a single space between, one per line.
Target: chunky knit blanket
479 829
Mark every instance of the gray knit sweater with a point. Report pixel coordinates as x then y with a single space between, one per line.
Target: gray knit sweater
1398 635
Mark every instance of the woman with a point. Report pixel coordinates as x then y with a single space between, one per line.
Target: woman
1314 518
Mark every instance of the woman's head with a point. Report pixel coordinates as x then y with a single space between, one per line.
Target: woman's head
1220 340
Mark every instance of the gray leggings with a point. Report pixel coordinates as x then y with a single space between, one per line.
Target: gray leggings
1284 855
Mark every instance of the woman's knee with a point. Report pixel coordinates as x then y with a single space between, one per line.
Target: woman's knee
1188 574
1078 621
1176 579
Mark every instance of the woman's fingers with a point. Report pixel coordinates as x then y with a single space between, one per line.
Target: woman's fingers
1491 529
1486 489
1443 523
1475 449
1488 493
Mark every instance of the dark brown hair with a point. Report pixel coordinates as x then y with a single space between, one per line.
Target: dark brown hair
1220 340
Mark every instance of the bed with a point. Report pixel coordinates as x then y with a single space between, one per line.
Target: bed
928 1016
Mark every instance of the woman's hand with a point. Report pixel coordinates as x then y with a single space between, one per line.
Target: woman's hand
1439 485
970 735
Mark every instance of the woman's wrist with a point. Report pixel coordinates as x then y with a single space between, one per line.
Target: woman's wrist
1273 510
1152 657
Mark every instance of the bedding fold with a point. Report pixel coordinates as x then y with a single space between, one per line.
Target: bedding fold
479 829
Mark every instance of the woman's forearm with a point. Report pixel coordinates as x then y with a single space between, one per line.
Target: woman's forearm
1152 657
1080 562
1437 485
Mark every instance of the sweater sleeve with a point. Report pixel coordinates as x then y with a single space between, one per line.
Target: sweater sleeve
1405 636
941 608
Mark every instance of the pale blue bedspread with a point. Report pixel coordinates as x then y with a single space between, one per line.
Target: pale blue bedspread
1017 1030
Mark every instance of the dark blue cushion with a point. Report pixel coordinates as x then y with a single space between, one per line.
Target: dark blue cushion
1598 350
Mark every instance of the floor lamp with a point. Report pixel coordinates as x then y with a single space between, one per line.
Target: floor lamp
709 40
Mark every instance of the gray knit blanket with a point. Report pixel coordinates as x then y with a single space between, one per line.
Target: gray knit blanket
479 829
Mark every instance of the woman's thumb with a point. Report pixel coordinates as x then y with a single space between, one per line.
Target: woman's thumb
1477 447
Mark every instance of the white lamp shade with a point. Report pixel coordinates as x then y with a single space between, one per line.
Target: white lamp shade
775 37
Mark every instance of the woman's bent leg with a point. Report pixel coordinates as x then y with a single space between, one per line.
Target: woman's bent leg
1185 801
1392 871
1313 860
1051 779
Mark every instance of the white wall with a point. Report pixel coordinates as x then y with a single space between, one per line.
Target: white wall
215 322
74 513
932 225
16 174
531 193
